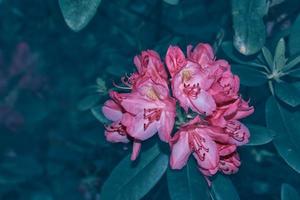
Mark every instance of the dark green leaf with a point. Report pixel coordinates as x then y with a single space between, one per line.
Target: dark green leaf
223 189
279 57
294 40
268 56
88 102
248 25
287 128
259 135
78 13
289 193
188 183
132 182
249 76
97 112
288 93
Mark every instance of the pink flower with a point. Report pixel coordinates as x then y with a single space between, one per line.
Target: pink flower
201 54
149 62
190 83
230 164
196 140
149 110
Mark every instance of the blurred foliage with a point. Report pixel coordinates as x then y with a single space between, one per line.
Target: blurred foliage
53 148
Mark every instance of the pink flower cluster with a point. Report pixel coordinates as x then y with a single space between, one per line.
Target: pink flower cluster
204 87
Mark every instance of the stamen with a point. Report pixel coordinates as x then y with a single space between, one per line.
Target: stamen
151 115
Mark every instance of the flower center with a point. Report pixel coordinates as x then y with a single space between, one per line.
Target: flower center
191 90
186 76
151 93
151 115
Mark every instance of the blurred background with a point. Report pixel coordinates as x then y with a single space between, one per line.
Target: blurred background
51 146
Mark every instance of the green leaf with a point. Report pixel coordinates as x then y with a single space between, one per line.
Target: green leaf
97 112
292 63
289 193
172 2
279 57
268 57
187 183
248 25
259 135
132 182
295 73
249 76
288 93
287 128
78 13
223 189
88 102
294 40
232 54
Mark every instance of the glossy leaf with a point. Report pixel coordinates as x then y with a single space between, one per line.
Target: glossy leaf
289 193
294 40
259 135
249 76
223 189
279 57
248 25
288 93
187 183
287 128
133 180
78 13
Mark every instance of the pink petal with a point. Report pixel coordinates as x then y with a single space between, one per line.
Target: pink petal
166 126
175 59
203 103
135 149
207 156
238 132
180 150
112 111
135 126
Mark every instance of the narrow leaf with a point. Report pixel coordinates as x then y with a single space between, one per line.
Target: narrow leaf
248 25
97 112
287 128
268 57
279 56
187 183
292 63
172 2
78 13
132 181
259 135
